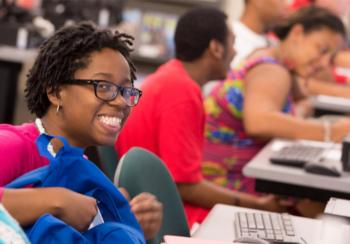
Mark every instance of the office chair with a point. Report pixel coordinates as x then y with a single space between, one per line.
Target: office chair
142 171
108 159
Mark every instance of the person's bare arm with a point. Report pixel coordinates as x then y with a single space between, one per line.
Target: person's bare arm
206 194
27 205
342 58
319 87
266 90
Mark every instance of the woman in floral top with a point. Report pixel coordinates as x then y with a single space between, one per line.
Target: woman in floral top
228 147
254 103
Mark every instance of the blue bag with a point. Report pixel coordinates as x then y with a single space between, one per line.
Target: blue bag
69 169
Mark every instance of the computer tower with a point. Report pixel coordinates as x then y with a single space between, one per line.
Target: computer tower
8 85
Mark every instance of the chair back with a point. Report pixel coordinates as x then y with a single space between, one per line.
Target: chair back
108 159
142 171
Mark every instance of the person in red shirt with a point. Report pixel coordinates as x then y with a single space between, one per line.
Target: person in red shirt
169 120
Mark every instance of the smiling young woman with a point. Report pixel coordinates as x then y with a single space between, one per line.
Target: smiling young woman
81 88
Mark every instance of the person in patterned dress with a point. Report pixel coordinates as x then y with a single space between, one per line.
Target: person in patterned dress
255 102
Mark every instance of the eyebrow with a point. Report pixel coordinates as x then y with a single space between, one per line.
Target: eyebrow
109 77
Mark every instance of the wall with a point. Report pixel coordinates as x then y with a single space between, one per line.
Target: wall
233 8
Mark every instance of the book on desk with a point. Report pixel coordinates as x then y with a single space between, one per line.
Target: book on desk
338 207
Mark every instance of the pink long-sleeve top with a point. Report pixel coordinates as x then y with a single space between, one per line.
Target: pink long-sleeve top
18 152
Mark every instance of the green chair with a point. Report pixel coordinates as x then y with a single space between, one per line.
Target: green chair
108 159
142 171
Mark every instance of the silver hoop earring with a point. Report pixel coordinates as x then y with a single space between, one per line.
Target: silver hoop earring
58 108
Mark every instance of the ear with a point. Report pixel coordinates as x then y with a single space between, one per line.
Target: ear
216 49
54 97
296 32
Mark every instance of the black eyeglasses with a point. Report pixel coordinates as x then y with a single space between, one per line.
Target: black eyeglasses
108 91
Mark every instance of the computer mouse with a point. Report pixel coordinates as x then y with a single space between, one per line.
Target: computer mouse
322 169
251 240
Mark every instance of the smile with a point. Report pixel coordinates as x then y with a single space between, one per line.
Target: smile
111 121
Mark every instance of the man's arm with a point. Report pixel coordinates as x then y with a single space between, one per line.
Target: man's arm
206 194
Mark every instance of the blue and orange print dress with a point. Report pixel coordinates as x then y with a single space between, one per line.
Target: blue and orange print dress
227 147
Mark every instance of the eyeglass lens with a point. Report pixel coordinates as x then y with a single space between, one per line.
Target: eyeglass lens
107 91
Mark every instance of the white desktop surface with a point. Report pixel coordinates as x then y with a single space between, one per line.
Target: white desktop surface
331 103
260 167
218 225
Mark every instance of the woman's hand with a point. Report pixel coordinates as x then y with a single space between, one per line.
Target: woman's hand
149 213
73 208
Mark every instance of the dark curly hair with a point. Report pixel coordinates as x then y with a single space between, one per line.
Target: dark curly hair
67 51
196 28
311 18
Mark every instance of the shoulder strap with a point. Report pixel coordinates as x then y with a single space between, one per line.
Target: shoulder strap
243 70
37 176
43 142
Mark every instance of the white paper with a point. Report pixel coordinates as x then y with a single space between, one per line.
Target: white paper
339 207
97 220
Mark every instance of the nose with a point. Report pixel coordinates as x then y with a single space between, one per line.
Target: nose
325 61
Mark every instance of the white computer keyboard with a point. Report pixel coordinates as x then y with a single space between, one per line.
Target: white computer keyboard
272 227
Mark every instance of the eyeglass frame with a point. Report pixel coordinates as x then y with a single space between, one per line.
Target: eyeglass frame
95 82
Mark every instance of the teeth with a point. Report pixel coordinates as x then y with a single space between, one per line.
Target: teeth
112 121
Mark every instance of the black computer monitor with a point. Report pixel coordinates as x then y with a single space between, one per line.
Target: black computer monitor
102 12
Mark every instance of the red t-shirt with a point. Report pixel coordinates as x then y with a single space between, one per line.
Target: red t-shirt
169 121
296 4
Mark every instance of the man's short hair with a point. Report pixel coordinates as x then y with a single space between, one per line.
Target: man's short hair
196 28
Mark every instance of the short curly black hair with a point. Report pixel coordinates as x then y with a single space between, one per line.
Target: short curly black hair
196 28
311 18
64 53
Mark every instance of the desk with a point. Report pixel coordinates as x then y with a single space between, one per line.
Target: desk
291 181
218 225
11 62
330 105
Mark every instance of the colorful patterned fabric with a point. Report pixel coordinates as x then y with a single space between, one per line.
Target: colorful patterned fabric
10 231
227 147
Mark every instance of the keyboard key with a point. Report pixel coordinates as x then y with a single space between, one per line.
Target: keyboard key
259 221
270 237
251 221
261 234
279 238
243 220
267 221
275 222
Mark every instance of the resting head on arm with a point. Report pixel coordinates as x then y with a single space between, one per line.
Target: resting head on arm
308 40
81 87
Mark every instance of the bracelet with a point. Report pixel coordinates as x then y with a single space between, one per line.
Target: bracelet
327 131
